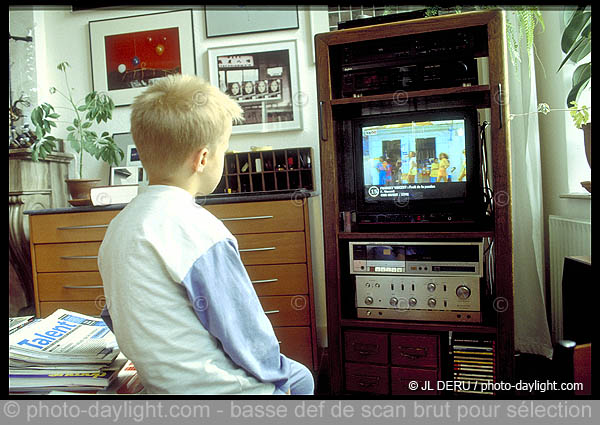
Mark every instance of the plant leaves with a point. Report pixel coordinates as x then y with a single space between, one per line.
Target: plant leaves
581 78
573 29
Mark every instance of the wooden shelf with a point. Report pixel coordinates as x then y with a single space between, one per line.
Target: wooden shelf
419 326
267 171
415 235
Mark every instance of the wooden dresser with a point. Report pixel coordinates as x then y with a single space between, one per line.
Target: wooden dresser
274 242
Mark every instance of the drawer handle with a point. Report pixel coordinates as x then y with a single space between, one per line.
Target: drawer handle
254 282
79 257
88 226
365 349
257 217
412 352
83 286
272 312
271 248
367 381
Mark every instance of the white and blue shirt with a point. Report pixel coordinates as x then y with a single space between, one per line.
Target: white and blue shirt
182 306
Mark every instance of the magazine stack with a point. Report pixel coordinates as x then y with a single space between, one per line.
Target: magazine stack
66 351
474 365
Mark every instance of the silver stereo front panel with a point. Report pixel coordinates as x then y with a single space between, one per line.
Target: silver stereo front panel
441 298
416 258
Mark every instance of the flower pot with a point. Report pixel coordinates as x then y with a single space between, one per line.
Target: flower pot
587 140
79 189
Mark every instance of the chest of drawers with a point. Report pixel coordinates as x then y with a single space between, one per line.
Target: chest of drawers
274 243
391 363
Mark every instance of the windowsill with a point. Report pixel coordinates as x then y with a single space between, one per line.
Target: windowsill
576 195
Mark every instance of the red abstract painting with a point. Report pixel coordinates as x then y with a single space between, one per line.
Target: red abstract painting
134 59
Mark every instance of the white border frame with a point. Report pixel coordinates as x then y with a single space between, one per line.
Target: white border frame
295 95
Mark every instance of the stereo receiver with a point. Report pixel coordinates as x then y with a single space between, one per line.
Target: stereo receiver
433 281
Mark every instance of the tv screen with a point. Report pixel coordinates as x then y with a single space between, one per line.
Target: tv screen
417 159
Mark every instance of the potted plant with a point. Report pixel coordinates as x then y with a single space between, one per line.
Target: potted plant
93 109
576 43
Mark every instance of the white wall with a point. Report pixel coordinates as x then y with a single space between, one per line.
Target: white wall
62 35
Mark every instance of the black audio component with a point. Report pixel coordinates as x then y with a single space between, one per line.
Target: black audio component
358 81
428 61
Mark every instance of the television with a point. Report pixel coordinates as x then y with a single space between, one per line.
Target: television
418 167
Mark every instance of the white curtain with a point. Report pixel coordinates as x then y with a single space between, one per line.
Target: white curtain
532 334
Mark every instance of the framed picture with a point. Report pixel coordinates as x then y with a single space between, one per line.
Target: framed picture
133 157
263 78
222 20
127 175
129 53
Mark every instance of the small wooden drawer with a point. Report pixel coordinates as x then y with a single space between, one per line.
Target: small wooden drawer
403 379
287 310
285 279
91 308
414 350
73 286
71 227
366 347
295 343
272 248
367 378
66 257
260 217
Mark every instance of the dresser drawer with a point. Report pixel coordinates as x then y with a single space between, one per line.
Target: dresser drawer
272 248
91 308
73 286
402 376
367 378
366 347
284 279
65 257
295 343
287 310
260 217
71 227
414 350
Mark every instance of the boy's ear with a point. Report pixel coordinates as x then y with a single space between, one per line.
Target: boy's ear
199 160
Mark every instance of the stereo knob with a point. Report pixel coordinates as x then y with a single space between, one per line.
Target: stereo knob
412 301
394 301
431 302
463 292
431 287
369 300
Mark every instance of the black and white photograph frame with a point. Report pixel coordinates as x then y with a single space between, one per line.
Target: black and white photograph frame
129 53
263 79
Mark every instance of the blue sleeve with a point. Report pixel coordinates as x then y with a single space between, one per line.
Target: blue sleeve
228 307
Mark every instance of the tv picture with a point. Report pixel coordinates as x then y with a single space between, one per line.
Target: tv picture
415 159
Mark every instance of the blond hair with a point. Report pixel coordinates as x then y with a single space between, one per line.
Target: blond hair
176 116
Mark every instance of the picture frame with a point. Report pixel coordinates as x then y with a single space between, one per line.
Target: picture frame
128 53
121 176
263 79
224 20
132 158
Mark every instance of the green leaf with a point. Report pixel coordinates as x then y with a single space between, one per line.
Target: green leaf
573 29
581 78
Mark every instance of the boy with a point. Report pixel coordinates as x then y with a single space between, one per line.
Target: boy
179 299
